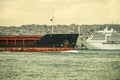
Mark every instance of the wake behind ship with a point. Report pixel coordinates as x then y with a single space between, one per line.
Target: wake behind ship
38 43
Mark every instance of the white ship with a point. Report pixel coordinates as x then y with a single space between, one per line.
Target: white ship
105 39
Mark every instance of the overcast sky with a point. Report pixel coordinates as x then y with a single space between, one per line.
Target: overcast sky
19 12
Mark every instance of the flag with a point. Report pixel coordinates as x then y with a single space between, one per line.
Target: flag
51 19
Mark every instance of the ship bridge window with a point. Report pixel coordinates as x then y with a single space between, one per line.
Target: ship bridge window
98 37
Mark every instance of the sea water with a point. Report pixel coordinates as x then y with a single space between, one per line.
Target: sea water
83 65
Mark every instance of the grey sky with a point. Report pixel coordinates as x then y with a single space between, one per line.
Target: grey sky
19 12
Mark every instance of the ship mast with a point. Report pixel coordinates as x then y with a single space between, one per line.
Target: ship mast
79 41
79 30
52 20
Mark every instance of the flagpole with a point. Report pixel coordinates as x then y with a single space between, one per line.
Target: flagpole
52 30
52 25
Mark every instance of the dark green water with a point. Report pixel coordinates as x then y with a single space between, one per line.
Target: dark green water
84 65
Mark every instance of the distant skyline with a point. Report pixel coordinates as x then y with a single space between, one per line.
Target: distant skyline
21 12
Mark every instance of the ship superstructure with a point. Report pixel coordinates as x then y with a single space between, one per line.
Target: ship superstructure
104 39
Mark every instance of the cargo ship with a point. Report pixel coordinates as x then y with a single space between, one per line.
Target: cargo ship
38 43
107 39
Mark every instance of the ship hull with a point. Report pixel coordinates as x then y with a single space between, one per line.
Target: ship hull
42 43
35 49
102 46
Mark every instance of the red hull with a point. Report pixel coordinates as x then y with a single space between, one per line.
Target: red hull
36 49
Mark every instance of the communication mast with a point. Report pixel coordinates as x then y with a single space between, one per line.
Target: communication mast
52 21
